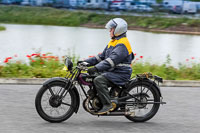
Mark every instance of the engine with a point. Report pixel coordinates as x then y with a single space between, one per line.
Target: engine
92 104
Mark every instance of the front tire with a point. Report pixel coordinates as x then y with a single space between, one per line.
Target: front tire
155 97
50 108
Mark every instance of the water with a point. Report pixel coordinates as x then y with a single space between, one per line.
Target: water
27 39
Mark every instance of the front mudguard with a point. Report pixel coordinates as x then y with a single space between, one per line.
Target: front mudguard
65 80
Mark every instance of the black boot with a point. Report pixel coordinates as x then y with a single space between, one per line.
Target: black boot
105 109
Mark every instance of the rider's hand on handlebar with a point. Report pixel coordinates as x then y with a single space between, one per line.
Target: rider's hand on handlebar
93 70
83 63
79 62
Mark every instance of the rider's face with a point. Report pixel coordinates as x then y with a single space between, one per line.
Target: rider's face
112 32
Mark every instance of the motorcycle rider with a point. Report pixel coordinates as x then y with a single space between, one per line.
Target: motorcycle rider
114 63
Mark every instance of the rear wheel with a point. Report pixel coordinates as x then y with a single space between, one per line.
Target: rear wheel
145 109
51 107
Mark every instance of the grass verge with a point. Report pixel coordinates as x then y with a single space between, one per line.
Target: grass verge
52 16
2 28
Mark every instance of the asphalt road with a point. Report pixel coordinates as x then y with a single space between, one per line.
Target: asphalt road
18 115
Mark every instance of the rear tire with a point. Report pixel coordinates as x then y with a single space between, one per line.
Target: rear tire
41 110
155 107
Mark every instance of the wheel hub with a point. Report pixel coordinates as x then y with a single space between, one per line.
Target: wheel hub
55 101
143 101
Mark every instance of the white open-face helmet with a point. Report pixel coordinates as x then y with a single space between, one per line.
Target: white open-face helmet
119 24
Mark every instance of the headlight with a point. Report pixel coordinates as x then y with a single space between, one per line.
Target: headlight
68 63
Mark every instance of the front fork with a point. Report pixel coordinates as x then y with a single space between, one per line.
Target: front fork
71 82
69 85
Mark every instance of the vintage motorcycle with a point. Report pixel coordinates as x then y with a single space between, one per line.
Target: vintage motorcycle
138 100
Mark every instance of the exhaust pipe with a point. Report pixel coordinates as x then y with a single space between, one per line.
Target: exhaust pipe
119 114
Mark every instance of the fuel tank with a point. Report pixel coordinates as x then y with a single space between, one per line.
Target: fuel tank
86 79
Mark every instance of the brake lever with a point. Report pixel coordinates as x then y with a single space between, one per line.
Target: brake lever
85 64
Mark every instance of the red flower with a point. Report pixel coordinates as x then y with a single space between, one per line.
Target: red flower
91 56
137 58
50 56
7 59
35 55
192 58
46 57
28 56
135 54
141 57
15 55
33 60
43 54
187 60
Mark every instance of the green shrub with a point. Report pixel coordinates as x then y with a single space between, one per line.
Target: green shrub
47 66
15 70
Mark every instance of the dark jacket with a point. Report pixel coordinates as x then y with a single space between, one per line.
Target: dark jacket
115 61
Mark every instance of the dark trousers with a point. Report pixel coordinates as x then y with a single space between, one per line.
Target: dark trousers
102 84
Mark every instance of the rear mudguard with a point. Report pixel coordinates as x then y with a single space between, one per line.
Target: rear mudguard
65 80
133 81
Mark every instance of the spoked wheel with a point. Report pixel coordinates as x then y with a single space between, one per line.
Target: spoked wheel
51 107
144 109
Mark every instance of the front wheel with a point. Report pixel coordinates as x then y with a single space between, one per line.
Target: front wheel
146 107
51 107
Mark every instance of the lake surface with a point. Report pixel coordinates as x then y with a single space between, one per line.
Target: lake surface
28 39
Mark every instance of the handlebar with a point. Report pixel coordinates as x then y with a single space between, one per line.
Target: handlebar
83 66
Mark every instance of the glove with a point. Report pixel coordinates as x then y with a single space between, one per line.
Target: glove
79 62
91 71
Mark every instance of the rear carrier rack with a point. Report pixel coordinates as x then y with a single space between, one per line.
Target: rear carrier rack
149 75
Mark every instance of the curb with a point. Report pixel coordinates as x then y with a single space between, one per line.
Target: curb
39 81
23 81
181 83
